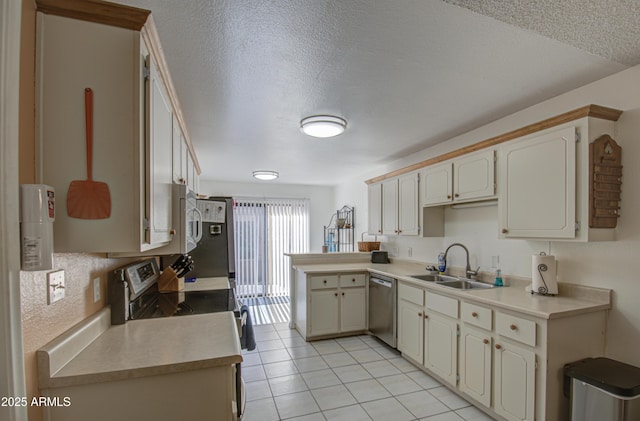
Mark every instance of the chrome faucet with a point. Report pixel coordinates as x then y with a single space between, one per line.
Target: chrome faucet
467 270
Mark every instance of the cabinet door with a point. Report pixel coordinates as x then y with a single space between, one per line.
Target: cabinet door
537 186
176 157
437 184
196 181
324 316
475 364
159 164
193 176
410 330
441 346
408 204
390 207
375 208
353 309
473 176
190 171
514 382
184 157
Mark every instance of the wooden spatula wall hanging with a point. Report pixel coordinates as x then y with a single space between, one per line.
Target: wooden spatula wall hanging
88 199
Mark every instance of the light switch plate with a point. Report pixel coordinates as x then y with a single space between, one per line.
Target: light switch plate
55 286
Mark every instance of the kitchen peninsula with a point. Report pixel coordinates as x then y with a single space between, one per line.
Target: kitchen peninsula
503 348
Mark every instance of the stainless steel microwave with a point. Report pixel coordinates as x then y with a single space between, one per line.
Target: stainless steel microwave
187 219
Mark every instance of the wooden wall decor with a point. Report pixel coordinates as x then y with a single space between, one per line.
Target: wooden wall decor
605 175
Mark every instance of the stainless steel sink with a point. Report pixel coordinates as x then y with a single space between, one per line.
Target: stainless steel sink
429 277
451 281
465 284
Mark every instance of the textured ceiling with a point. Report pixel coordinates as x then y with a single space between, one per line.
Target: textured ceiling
606 28
404 74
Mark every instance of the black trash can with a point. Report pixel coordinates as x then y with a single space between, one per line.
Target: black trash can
602 389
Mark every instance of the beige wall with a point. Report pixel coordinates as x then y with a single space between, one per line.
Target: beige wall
609 265
41 322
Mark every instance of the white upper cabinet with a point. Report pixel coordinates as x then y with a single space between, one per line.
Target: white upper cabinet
132 131
400 205
178 150
159 143
470 177
408 204
191 171
390 207
474 176
437 185
375 209
538 178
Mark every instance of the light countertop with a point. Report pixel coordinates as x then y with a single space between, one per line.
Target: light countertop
142 348
572 299
205 284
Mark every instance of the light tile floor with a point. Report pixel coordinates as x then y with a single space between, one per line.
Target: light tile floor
353 378
265 310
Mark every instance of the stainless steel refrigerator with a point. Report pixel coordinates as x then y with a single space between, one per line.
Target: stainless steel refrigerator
214 255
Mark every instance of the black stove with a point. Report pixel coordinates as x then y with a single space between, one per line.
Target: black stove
154 304
134 295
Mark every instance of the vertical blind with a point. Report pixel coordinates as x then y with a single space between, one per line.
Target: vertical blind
264 230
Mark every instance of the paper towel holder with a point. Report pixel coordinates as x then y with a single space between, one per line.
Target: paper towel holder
550 285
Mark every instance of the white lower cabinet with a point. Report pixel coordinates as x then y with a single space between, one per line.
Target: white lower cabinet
441 346
441 337
476 364
330 304
410 330
508 362
353 309
323 306
410 321
514 381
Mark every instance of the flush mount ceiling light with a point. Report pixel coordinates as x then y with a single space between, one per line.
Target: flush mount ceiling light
323 125
265 175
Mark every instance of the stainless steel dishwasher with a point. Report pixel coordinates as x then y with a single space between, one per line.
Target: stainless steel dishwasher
382 308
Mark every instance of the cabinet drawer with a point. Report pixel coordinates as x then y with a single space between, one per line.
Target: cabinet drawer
324 281
353 280
445 305
411 294
516 328
476 315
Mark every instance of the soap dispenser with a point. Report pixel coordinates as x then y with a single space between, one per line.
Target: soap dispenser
498 273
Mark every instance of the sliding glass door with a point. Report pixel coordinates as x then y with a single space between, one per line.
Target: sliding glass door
265 229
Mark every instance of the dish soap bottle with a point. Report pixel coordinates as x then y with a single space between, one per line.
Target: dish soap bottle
498 273
442 264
